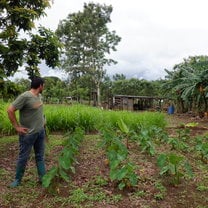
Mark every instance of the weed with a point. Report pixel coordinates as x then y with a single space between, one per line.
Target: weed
78 196
139 193
201 187
101 181
116 198
162 191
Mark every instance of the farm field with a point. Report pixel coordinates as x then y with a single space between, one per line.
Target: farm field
90 186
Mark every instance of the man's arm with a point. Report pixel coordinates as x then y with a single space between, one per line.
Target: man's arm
12 117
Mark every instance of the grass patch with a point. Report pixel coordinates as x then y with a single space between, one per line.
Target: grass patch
8 140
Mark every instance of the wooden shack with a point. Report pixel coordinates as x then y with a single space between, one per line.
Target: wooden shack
134 103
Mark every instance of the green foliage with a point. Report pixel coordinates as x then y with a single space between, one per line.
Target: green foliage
54 88
67 117
148 136
78 196
145 139
18 17
133 86
174 165
1 114
42 46
162 191
202 147
88 43
5 125
65 161
188 82
179 142
122 171
202 187
123 127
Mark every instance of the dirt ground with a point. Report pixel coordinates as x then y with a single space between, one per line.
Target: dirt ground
92 178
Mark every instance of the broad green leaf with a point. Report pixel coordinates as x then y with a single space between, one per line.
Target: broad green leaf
64 175
188 169
121 157
113 174
164 170
162 160
47 178
174 159
121 185
64 162
152 151
133 179
114 164
123 127
122 173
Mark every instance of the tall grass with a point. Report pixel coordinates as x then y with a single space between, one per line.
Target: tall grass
135 120
5 125
67 117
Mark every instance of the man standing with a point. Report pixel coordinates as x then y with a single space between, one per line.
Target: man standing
30 128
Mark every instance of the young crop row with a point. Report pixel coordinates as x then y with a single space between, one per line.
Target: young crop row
118 129
65 163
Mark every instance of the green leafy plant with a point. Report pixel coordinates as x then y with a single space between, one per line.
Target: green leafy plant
177 144
202 187
174 165
65 161
145 139
202 147
161 191
122 171
184 134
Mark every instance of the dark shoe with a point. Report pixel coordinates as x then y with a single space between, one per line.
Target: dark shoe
19 174
15 183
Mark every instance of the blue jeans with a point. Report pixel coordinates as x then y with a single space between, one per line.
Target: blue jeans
26 143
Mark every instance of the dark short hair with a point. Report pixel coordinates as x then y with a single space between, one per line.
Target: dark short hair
36 82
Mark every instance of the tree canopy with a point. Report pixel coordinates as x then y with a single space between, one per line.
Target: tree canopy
87 42
18 42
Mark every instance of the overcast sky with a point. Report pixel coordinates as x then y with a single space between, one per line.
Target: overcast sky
156 34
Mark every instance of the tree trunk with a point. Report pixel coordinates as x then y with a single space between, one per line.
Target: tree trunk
98 95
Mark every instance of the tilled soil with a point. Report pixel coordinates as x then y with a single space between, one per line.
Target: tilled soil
152 191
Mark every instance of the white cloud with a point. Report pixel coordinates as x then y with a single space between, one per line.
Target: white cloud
155 34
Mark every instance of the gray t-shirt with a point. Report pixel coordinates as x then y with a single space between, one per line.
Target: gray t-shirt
30 111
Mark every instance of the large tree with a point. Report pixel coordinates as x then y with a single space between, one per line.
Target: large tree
20 43
87 42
